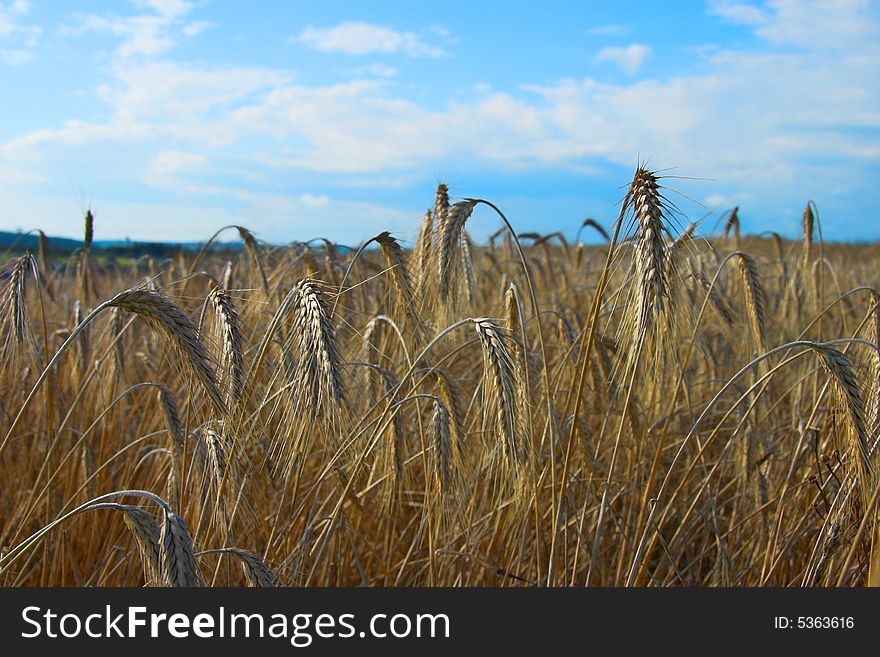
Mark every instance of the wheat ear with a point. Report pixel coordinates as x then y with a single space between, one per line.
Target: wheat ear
441 203
442 443
467 260
809 220
14 298
176 431
838 369
450 393
394 261
166 315
732 225
253 250
652 266
232 344
449 233
178 566
319 378
754 297
500 377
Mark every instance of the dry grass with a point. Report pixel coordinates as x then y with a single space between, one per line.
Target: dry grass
663 408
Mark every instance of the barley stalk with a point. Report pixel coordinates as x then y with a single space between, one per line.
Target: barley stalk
164 314
14 303
253 250
319 377
394 261
808 235
178 566
755 299
839 371
449 233
595 225
424 252
500 376
231 358
652 292
442 443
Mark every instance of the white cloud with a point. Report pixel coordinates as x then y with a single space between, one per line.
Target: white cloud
148 34
18 38
169 162
739 12
353 38
196 27
629 59
608 30
315 201
827 24
441 31
155 102
766 119
719 201
182 173
745 101
375 70
166 8
16 57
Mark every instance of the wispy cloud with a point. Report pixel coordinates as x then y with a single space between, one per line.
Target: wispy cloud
10 15
363 126
826 24
608 30
153 32
195 28
18 38
168 8
629 58
353 38
182 173
374 71
739 12
159 101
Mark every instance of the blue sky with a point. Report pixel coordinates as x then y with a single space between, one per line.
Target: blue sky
171 118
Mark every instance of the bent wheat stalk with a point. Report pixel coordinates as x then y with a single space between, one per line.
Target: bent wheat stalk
160 312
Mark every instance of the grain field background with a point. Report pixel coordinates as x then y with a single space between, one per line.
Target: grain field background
648 405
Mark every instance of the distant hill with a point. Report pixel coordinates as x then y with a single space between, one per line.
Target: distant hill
30 242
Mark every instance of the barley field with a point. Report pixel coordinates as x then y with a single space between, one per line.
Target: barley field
646 405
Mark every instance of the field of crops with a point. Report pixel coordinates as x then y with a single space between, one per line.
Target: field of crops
645 406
